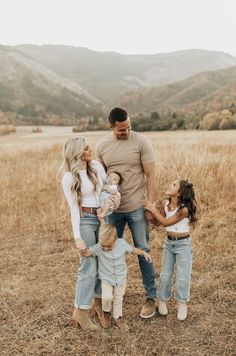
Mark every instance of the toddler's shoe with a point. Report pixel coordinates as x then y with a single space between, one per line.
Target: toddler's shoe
106 320
182 311
121 324
162 308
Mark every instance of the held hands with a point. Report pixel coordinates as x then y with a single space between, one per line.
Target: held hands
84 252
80 245
148 216
150 207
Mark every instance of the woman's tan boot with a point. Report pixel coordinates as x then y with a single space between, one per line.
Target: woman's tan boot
81 318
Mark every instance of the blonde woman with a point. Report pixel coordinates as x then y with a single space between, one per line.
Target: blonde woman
82 183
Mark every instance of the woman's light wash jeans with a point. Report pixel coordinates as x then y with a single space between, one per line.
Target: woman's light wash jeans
139 229
179 253
88 285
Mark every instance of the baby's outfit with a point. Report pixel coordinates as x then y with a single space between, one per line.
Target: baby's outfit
115 198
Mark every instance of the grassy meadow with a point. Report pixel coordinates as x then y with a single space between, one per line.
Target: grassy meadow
39 264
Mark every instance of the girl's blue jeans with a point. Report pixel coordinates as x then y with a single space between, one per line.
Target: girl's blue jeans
177 253
139 229
88 285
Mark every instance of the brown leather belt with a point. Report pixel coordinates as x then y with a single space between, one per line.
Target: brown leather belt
89 210
178 237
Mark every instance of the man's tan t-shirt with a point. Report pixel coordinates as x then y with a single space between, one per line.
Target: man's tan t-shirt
127 157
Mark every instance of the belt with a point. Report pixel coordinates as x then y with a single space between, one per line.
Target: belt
89 210
178 237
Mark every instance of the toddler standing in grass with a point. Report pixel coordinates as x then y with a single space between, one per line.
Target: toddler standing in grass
112 270
177 212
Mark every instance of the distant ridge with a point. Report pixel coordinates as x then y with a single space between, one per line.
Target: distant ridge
208 91
61 84
108 74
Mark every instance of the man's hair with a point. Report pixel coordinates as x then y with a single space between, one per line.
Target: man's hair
117 114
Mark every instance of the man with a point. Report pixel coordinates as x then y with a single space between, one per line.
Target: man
131 155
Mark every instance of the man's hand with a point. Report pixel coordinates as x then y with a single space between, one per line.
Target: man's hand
150 207
148 216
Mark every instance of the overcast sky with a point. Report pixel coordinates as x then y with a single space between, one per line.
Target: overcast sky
125 26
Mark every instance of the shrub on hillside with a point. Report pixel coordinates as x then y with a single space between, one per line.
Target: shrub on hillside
77 129
222 120
6 130
37 130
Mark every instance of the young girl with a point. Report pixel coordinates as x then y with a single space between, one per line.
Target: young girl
176 213
112 271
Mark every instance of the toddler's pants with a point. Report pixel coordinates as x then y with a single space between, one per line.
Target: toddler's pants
113 293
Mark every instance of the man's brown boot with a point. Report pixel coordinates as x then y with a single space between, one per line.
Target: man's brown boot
81 317
148 309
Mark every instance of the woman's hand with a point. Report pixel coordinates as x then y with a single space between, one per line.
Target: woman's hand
150 206
80 245
84 252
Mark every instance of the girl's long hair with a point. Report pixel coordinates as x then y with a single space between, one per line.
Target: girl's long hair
187 199
72 154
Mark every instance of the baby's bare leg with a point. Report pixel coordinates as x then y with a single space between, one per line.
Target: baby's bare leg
116 200
106 206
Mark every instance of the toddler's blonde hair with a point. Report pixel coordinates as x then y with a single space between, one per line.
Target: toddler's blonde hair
107 234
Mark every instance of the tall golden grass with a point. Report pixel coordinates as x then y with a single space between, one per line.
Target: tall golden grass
39 263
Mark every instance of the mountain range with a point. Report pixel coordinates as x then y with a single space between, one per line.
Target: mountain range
204 92
41 82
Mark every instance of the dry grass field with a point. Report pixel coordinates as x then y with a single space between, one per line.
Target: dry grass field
39 263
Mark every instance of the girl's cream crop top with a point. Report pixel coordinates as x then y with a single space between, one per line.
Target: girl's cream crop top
181 226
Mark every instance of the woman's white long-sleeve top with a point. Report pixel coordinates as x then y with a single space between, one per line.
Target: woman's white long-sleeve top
90 197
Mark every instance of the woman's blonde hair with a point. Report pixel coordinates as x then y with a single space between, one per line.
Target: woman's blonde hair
72 161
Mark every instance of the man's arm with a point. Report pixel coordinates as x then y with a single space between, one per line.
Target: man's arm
149 171
99 157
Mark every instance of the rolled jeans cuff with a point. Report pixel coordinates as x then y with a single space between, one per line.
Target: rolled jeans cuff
83 306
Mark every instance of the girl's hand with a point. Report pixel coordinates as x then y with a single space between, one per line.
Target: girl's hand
147 257
150 206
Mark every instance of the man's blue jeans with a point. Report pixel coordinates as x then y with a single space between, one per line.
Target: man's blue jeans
139 229
177 253
88 285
